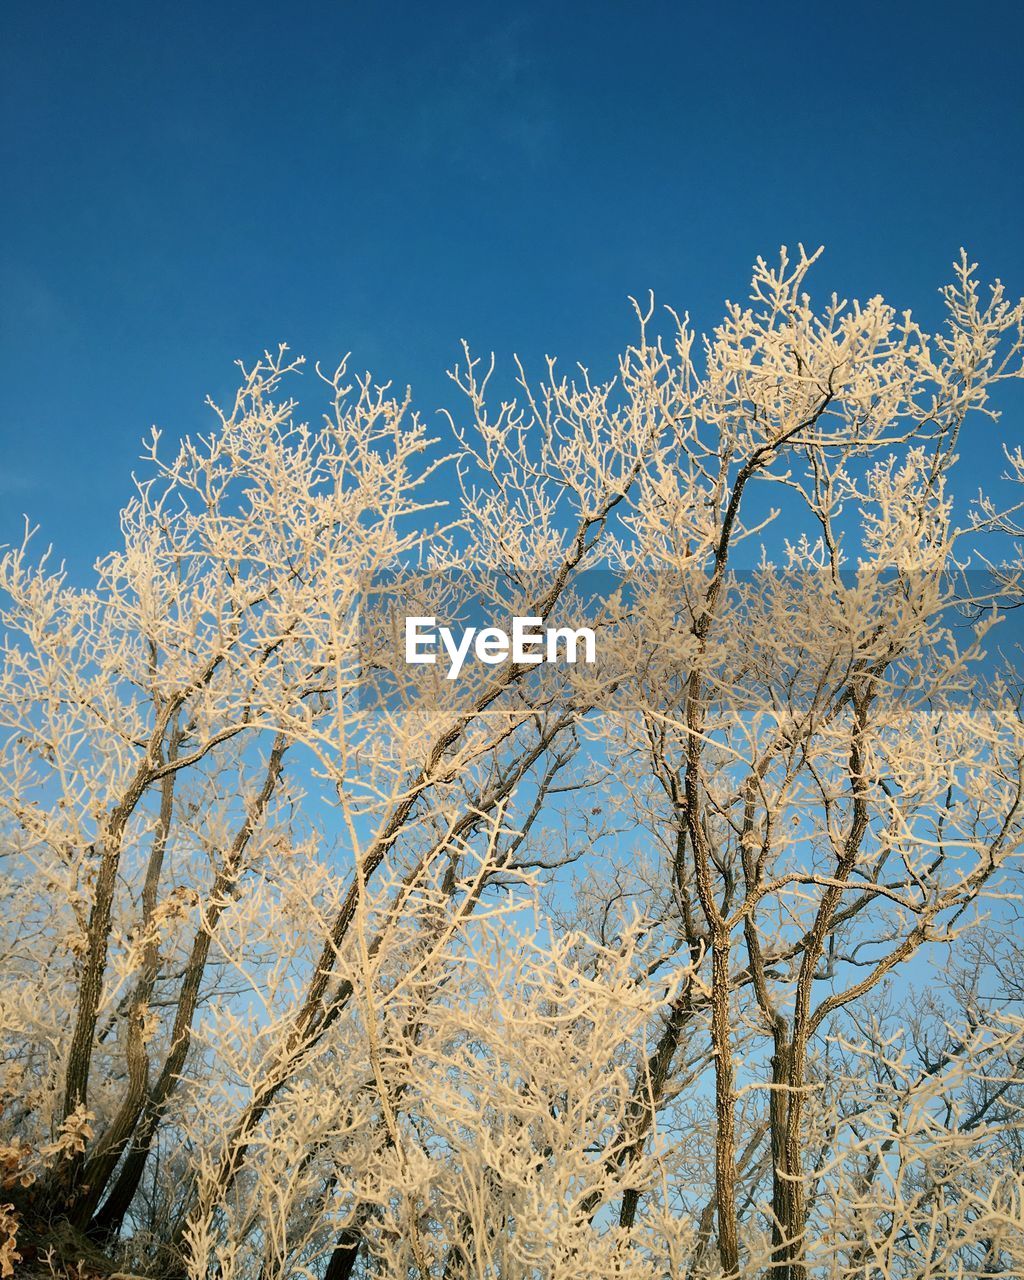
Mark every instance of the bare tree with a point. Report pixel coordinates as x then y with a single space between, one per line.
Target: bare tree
317 962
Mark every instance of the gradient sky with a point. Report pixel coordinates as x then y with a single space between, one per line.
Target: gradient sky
187 184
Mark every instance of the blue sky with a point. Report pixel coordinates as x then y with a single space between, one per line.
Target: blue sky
188 184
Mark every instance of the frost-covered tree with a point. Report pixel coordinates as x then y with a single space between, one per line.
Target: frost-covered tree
699 960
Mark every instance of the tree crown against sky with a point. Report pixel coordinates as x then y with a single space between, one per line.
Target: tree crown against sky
508 173
315 963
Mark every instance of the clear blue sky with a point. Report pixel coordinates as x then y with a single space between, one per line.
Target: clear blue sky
186 184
